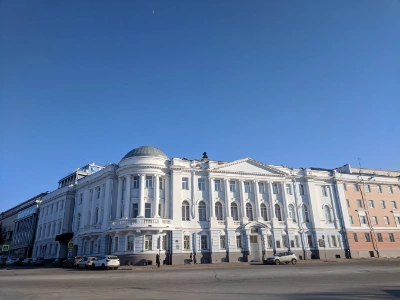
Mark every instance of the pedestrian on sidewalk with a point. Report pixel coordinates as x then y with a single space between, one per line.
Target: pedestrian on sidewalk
158 260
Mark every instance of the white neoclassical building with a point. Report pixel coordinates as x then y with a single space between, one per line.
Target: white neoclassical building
216 211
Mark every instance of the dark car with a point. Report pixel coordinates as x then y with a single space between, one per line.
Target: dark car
72 262
58 262
37 261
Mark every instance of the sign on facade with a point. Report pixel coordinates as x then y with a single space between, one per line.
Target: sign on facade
5 248
71 245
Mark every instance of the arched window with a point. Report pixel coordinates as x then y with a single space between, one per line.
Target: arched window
234 211
185 211
249 211
96 215
328 215
292 213
264 212
78 221
218 211
202 211
306 216
278 214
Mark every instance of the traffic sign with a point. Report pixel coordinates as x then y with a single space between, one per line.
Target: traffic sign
5 248
71 245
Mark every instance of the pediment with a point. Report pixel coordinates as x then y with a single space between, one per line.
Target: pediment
248 166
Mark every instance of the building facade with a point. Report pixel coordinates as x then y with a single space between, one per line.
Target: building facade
215 211
54 229
370 201
20 224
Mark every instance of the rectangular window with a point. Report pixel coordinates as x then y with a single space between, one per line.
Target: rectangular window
367 237
297 241
359 203
222 242
160 213
390 189
247 187
356 187
333 239
135 183
310 241
363 220
269 241
278 244
386 220
217 185
275 188
397 220
345 186
186 242
239 242
394 205
201 184
129 243
379 236
379 188
302 191
292 244
135 210
204 243
355 237
98 192
261 188
323 190
147 210
161 183
185 183
288 189
371 203
368 188
149 182
284 241
383 205
148 242
351 219
232 186
348 202
116 242
391 237
374 220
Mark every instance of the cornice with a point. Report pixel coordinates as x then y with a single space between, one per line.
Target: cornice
212 171
142 167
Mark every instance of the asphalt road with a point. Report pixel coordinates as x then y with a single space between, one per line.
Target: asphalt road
321 280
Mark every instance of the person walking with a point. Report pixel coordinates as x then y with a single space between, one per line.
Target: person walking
158 260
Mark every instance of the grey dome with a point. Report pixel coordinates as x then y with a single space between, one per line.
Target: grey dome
146 151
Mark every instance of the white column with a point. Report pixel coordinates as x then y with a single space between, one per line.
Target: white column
227 201
119 199
141 195
210 196
167 203
127 198
156 196
106 203
257 201
84 213
271 201
242 200
94 191
285 214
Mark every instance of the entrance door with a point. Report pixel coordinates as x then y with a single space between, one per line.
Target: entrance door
254 248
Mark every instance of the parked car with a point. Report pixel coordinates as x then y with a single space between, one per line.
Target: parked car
72 262
26 262
37 261
58 262
13 261
279 258
106 262
86 262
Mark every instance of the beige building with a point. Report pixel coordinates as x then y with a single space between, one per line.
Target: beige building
371 201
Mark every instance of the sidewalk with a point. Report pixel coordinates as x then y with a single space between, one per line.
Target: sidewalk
246 264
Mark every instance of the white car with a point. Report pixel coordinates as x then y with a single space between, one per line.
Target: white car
106 262
281 258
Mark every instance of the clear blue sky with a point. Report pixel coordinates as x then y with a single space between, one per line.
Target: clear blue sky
299 83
